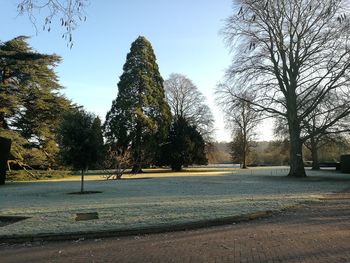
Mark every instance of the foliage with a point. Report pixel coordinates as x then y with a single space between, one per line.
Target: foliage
292 55
31 106
186 101
185 146
140 116
23 71
80 141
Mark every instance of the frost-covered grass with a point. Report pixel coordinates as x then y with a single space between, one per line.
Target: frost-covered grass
158 198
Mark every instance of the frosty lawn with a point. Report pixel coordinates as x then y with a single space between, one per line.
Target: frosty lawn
158 199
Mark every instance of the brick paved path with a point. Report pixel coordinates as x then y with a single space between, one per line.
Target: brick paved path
315 232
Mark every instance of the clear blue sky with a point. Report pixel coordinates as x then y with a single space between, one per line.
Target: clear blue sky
184 35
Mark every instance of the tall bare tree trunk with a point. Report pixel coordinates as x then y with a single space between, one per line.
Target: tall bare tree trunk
296 145
296 155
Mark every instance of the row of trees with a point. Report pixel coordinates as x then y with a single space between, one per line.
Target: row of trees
148 123
294 57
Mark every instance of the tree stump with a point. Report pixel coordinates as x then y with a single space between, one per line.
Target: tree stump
5 147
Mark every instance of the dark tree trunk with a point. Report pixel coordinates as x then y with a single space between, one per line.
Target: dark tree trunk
245 150
136 169
137 158
176 167
314 155
244 157
296 145
296 155
5 147
82 182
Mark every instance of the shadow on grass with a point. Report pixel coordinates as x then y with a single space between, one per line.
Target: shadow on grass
165 171
309 178
85 193
8 220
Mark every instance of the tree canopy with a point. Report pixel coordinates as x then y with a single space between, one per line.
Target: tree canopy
185 146
81 142
30 103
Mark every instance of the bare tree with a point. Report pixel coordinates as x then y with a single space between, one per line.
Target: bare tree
332 135
186 101
292 54
68 12
312 134
241 119
117 162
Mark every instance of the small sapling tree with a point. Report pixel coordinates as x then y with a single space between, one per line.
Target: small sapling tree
80 142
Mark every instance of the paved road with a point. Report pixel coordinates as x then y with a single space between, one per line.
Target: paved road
315 232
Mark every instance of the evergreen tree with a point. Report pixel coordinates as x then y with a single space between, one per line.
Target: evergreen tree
140 116
22 69
80 141
98 144
185 146
30 103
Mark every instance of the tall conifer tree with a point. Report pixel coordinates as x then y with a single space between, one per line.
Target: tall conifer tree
30 103
140 116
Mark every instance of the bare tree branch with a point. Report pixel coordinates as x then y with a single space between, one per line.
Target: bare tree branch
185 100
68 13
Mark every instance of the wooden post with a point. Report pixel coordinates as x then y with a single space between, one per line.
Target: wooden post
5 147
